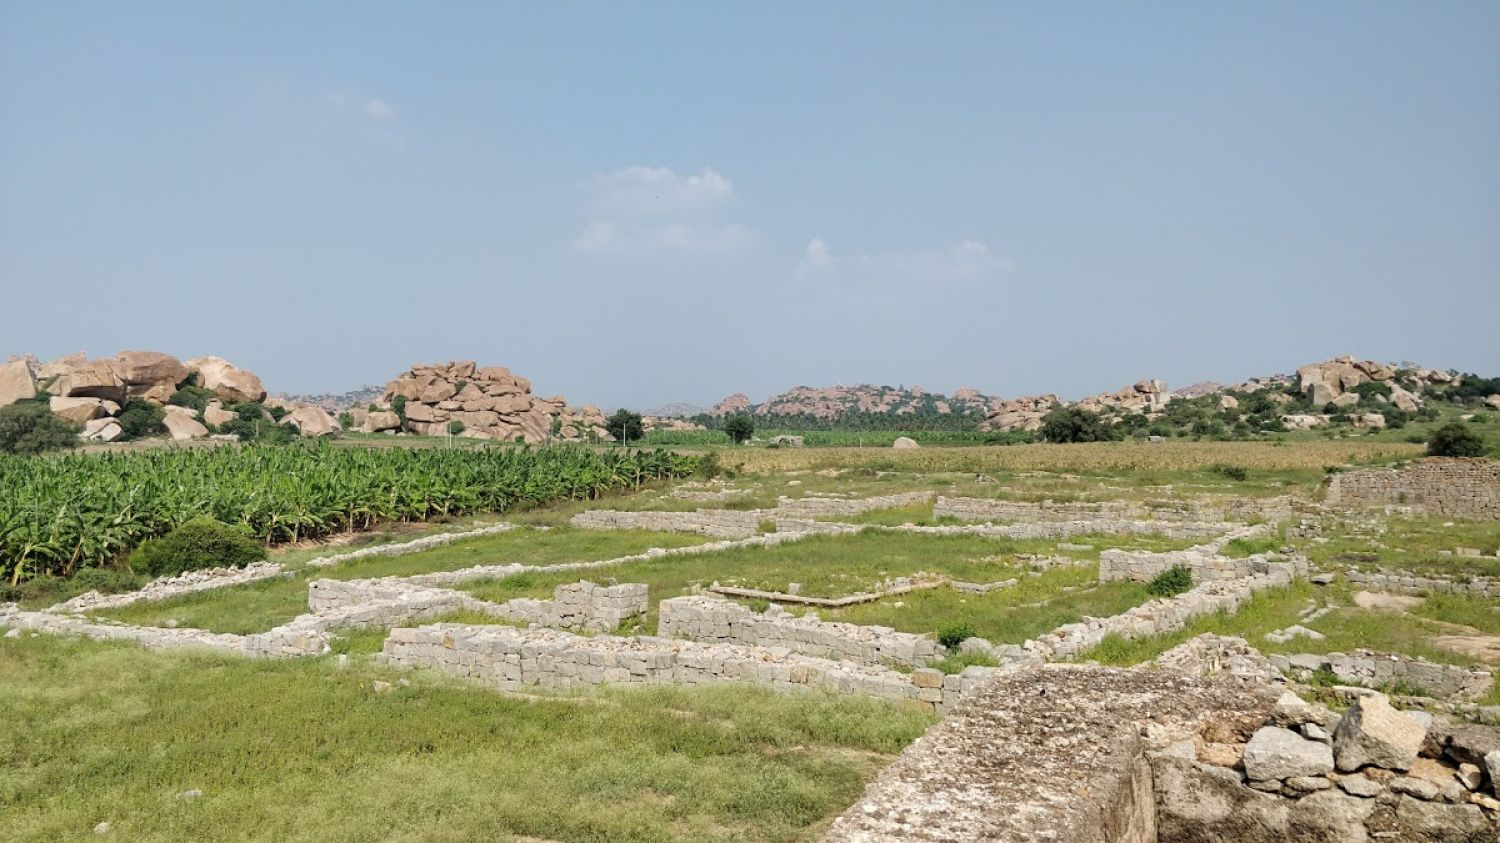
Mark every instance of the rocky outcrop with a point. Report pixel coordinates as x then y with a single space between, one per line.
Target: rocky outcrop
490 403
182 424
230 383
736 403
834 402
1148 396
1020 413
17 382
312 421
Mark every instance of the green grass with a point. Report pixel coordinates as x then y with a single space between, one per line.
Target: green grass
260 606
1241 548
1346 628
1480 613
1412 544
1032 607
893 516
299 750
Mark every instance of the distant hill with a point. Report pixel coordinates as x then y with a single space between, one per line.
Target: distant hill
339 402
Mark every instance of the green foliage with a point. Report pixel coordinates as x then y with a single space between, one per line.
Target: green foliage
250 424
398 406
140 418
197 544
346 420
1455 440
956 662
624 426
1233 472
115 501
193 397
740 427
1368 390
277 413
1072 424
1171 582
951 635
29 427
41 592
455 427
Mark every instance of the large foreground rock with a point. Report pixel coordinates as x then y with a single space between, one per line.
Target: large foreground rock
1374 733
150 374
92 379
17 382
230 383
1276 753
78 410
182 425
312 421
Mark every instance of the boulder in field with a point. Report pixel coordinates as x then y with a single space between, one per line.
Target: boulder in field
76 410
230 383
102 430
17 382
381 420
182 424
216 415
312 421
905 443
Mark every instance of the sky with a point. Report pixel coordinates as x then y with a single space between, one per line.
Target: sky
640 203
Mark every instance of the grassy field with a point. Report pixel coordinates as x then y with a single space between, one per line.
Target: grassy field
303 751
260 606
1412 544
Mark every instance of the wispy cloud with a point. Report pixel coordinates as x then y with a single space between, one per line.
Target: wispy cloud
966 260
379 110
644 211
372 116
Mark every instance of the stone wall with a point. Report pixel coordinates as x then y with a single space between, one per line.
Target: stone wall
1371 669
1237 509
724 621
1203 560
820 507
162 588
414 546
386 603
1443 486
292 640
719 523
1417 584
510 659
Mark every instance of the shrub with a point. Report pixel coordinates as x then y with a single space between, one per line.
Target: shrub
1072 424
251 425
398 406
140 418
197 544
740 427
1369 389
951 635
29 427
1455 440
193 397
346 420
455 427
1171 582
624 426
1233 472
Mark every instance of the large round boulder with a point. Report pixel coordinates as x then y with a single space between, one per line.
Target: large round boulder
230 383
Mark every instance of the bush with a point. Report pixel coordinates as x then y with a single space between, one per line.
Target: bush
1233 472
1455 440
251 425
1071 424
193 397
29 427
346 420
1171 582
624 426
740 427
951 635
194 545
455 427
140 418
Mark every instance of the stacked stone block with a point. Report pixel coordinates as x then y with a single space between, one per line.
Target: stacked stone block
1446 486
1374 669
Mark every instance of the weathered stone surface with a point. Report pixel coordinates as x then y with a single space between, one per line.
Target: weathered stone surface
1372 732
92 379
150 368
230 383
1277 753
17 382
101 430
312 421
904 443
381 420
1442 823
216 415
182 425
76 410
1447 486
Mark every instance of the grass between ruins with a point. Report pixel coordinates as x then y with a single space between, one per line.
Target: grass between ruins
260 606
303 751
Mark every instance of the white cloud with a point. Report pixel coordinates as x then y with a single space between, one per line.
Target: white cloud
379 110
966 260
652 211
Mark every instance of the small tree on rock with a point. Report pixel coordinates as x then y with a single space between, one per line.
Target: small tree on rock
625 426
740 427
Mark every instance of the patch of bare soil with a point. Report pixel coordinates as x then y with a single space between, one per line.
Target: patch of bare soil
1485 648
1384 601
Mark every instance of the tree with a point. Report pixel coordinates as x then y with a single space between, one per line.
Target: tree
740 427
1455 440
625 426
1072 424
141 418
29 427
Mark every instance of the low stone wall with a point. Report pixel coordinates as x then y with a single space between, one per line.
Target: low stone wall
1066 529
1161 615
1237 509
1415 584
580 605
289 641
1373 669
511 659
1445 486
163 588
819 507
719 523
413 546
1204 560
723 621
384 603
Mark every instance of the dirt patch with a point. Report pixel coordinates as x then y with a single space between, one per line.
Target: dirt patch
1485 648
1384 601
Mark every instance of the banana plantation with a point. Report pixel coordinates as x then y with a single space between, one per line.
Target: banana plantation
62 513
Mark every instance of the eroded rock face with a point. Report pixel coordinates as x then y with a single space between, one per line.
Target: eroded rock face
151 372
17 382
182 425
312 421
77 410
92 379
230 383
1373 733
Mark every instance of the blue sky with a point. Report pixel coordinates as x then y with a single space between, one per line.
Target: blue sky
640 203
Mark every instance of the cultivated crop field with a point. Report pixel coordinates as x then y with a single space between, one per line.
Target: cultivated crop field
345 745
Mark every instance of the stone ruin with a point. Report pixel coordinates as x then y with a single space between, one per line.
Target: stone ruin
1451 487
